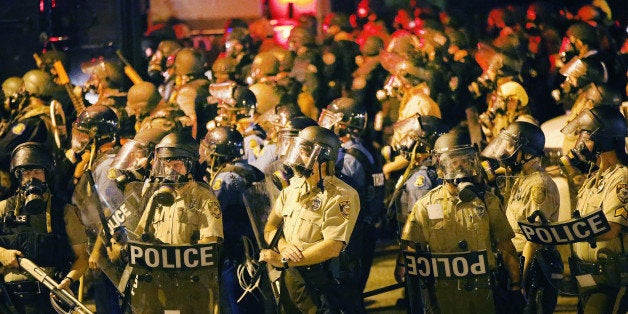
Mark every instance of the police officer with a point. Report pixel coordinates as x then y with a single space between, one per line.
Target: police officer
142 100
29 120
238 46
318 212
106 80
95 131
185 212
191 89
519 149
461 216
509 104
47 222
601 134
362 170
307 69
230 177
160 63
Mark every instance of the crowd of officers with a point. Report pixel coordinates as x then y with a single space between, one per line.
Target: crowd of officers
300 157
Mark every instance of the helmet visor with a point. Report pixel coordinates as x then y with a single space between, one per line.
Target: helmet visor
303 154
328 119
284 140
504 146
586 121
457 163
80 139
171 169
133 155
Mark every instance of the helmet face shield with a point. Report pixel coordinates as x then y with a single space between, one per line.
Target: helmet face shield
284 140
457 163
329 118
80 139
586 120
504 146
172 169
303 154
132 156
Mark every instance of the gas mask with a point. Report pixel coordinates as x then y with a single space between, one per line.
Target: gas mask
580 156
467 190
165 195
281 177
459 166
33 191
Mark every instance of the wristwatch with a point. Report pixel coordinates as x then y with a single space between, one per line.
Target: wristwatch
284 261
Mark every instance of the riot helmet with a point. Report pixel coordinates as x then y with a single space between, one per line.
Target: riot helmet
455 157
163 58
102 74
133 159
290 130
417 134
38 83
11 86
31 163
313 144
142 98
604 126
510 97
176 157
188 62
223 69
30 155
221 144
581 72
98 124
345 116
264 64
242 106
518 136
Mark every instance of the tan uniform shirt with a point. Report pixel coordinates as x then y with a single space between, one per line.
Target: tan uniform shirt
195 209
611 196
478 222
311 215
529 193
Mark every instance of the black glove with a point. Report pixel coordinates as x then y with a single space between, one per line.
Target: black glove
517 300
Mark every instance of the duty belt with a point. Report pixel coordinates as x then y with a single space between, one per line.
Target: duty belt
25 286
469 284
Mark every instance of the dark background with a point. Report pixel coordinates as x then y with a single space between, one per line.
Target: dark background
91 28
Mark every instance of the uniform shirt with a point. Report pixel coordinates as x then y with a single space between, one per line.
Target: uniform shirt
266 156
529 193
611 196
416 186
195 209
479 223
311 215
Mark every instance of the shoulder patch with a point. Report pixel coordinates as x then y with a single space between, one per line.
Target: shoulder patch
622 192
18 129
344 209
538 194
622 212
217 184
214 209
420 181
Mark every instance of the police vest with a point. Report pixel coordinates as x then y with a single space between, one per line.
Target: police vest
46 249
372 203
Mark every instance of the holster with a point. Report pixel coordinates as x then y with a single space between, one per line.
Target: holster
26 290
612 271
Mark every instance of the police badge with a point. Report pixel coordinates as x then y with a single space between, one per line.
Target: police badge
344 209
217 184
316 204
481 211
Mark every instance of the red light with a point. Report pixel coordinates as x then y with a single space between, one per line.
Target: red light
53 3
41 5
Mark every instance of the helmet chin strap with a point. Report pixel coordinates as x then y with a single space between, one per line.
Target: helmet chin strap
320 177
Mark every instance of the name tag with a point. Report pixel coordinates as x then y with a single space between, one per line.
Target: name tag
575 230
173 257
435 211
378 179
446 265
